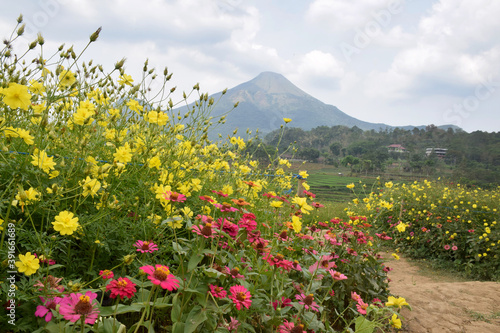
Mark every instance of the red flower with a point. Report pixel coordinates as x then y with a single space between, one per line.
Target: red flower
106 274
217 291
122 287
282 304
160 275
240 296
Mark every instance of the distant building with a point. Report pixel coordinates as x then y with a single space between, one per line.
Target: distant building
396 148
440 152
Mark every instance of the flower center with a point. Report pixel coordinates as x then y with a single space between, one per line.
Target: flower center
161 273
297 329
207 229
324 264
240 296
308 300
283 234
145 246
122 283
83 307
234 271
174 196
279 257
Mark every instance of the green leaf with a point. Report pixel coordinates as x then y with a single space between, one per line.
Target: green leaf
107 326
363 325
178 328
107 311
175 315
194 319
194 261
178 248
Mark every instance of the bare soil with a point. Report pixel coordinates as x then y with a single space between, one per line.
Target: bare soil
442 302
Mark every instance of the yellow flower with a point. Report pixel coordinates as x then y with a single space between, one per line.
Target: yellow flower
396 302
389 184
41 160
25 135
296 224
27 264
395 321
395 256
134 106
26 197
65 223
125 80
154 162
196 184
287 120
401 227
276 204
154 117
17 96
303 174
350 186
90 186
302 203
1 222
123 154
187 212
36 87
66 79
175 222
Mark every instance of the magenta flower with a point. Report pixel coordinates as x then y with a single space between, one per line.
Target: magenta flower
355 296
446 247
174 196
206 231
144 247
240 296
282 304
234 273
218 292
323 263
454 248
362 306
75 306
336 275
160 275
122 287
226 208
45 309
308 302
106 274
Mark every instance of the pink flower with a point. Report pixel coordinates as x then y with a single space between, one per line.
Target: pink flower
308 302
45 310
233 325
106 274
160 275
49 283
228 227
323 263
217 291
240 296
226 208
446 247
174 196
44 260
336 275
289 327
454 248
122 287
282 304
206 231
75 306
362 306
234 273
355 296
247 223
147 246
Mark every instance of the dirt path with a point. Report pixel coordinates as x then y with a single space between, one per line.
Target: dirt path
443 303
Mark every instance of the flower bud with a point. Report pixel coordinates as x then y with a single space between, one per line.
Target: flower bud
20 31
95 35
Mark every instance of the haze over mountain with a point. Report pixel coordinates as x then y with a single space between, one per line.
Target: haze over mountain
268 98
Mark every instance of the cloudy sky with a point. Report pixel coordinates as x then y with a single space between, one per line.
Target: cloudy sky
400 62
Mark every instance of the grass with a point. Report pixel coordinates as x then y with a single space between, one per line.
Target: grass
477 316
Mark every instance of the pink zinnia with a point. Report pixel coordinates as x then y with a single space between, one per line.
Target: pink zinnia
217 291
446 247
454 248
122 287
174 196
355 296
289 327
308 302
282 304
206 231
75 306
45 309
323 263
234 273
106 274
160 275
362 306
337 275
226 208
240 296
147 246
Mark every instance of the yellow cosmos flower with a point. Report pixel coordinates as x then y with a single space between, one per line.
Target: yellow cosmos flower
65 223
123 154
17 96
350 186
154 117
41 160
296 224
36 87
187 212
389 184
396 302
395 321
90 186
66 79
287 120
401 227
25 135
303 174
27 264
125 80
26 197
175 222
154 162
276 204
134 106
395 256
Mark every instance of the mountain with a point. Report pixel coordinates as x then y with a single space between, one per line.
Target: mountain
268 98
